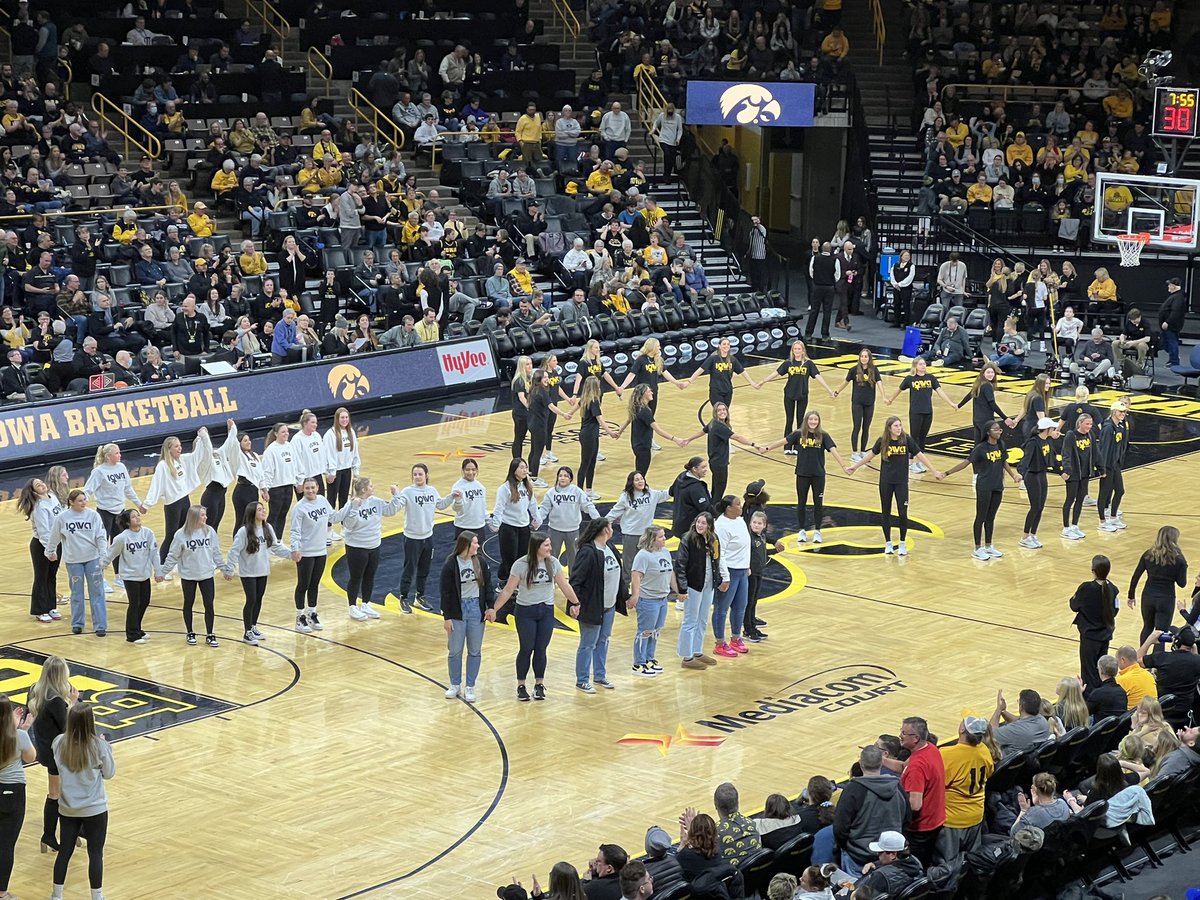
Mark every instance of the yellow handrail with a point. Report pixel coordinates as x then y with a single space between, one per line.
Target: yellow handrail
127 127
567 18
322 67
650 100
270 16
880 27
115 210
381 122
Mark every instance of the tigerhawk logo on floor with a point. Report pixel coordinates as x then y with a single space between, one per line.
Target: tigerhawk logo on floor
830 691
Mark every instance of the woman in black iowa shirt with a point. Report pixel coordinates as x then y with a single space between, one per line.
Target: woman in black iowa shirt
923 385
721 366
642 427
798 369
1078 456
982 398
896 448
862 401
989 458
720 432
1110 460
592 365
649 369
809 445
1037 458
549 365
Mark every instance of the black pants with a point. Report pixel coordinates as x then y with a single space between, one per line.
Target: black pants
537 445
138 593
94 830
903 306
1112 492
899 491
418 553
254 589
1036 490
1157 612
520 429
670 154
363 564
715 397
998 315
805 483
244 493
918 426
43 596
641 460
514 542
308 578
753 587
720 478
987 504
820 303
794 409
551 424
1035 323
861 415
213 500
112 528
535 627
923 844
280 502
1077 489
207 593
589 449
173 516
12 817
1090 651
339 491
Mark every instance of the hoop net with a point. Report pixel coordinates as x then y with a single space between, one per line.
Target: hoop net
1131 246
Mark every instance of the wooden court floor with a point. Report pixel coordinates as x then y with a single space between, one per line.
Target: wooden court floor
330 765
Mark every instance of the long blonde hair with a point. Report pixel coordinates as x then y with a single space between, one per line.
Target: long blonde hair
165 454
650 348
80 748
54 482
1072 709
53 682
591 393
1166 546
343 434
525 379
102 454
192 521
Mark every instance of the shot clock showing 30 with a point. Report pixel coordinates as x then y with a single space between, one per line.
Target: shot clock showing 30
1175 112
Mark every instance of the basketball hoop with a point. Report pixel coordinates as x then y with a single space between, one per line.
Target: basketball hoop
1131 246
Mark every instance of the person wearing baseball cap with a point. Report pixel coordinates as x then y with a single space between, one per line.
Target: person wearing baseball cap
1171 314
968 765
897 867
1036 455
1176 671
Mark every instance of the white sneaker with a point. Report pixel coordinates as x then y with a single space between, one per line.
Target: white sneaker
108 588
368 610
302 624
981 553
856 456
1029 543
357 614
1039 544
1120 523
993 552
1071 534
1089 501
592 495
469 694
119 583
1109 525
539 482
939 362
600 457
313 622
544 461
1079 532
802 537
902 550
816 537
654 445
887 548
550 457
452 691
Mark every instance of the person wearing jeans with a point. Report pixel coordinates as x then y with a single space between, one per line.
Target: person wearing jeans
536 573
465 579
652 581
598 582
734 539
699 565
84 549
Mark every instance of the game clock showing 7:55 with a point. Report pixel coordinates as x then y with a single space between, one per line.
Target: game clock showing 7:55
1175 112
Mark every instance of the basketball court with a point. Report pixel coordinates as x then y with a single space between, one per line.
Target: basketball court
330 765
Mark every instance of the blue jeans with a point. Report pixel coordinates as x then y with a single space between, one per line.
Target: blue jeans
377 239
1008 360
850 867
651 617
593 649
564 153
732 603
469 633
91 573
1170 342
695 622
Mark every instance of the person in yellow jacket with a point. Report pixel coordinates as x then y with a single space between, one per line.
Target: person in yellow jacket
520 280
326 147
1103 289
980 192
251 262
307 177
126 229
1019 152
330 175
529 134
225 180
410 231
202 226
836 44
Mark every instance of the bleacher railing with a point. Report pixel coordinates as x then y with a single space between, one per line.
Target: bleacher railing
115 211
322 67
566 17
650 101
1020 93
384 126
268 14
134 134
880 26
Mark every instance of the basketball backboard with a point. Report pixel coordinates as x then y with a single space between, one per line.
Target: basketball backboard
1164 208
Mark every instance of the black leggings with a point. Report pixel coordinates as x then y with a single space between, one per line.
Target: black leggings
43 596
1077 489
589 449
861 415
537 445
720 478
805 483
94 830
793 411
244 494
514 541
254 588
138 593
280 502
1112 492
752 589
1036 489
918 426
535 627
363 564
899 491
339 491
641 460
987 504
520 429
207 592
12 817
308 578
997 315
1157 612
112 528
1035 323
551 424
173 516
213 500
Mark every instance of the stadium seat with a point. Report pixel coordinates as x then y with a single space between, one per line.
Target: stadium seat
1192 369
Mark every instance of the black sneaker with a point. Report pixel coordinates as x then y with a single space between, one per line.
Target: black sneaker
101 632
75 630
539 692
405 606
191 638
522 693
756 637
761 623
423 604
211 640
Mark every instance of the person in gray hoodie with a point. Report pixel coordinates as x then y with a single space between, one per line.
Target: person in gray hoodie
136 549
197 552
253 545
870 805
84 545
563 509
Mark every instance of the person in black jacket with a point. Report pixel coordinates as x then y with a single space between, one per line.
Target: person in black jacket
13 379
1078 462
466 579
191 333
699 570
1165 567
896 869
292 262
1170 316
49 700
1107 698
691 496
1110 463
601 590
83 255
1095 606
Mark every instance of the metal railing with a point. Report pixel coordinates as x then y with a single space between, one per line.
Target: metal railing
566 17
116 211
880 26
384 126
271 18
114 116
547 140
322 67
1024 93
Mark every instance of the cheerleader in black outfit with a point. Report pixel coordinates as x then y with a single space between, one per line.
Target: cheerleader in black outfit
649 369
592 364
720 432
1037 455
592 423
1036 405
1078 455
720 366
798 369
642 427
866 380
809 445
923 385
520 402
557 392
542 409
989 459
1114 442
982 398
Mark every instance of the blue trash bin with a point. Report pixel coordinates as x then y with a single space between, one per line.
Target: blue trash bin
912 341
